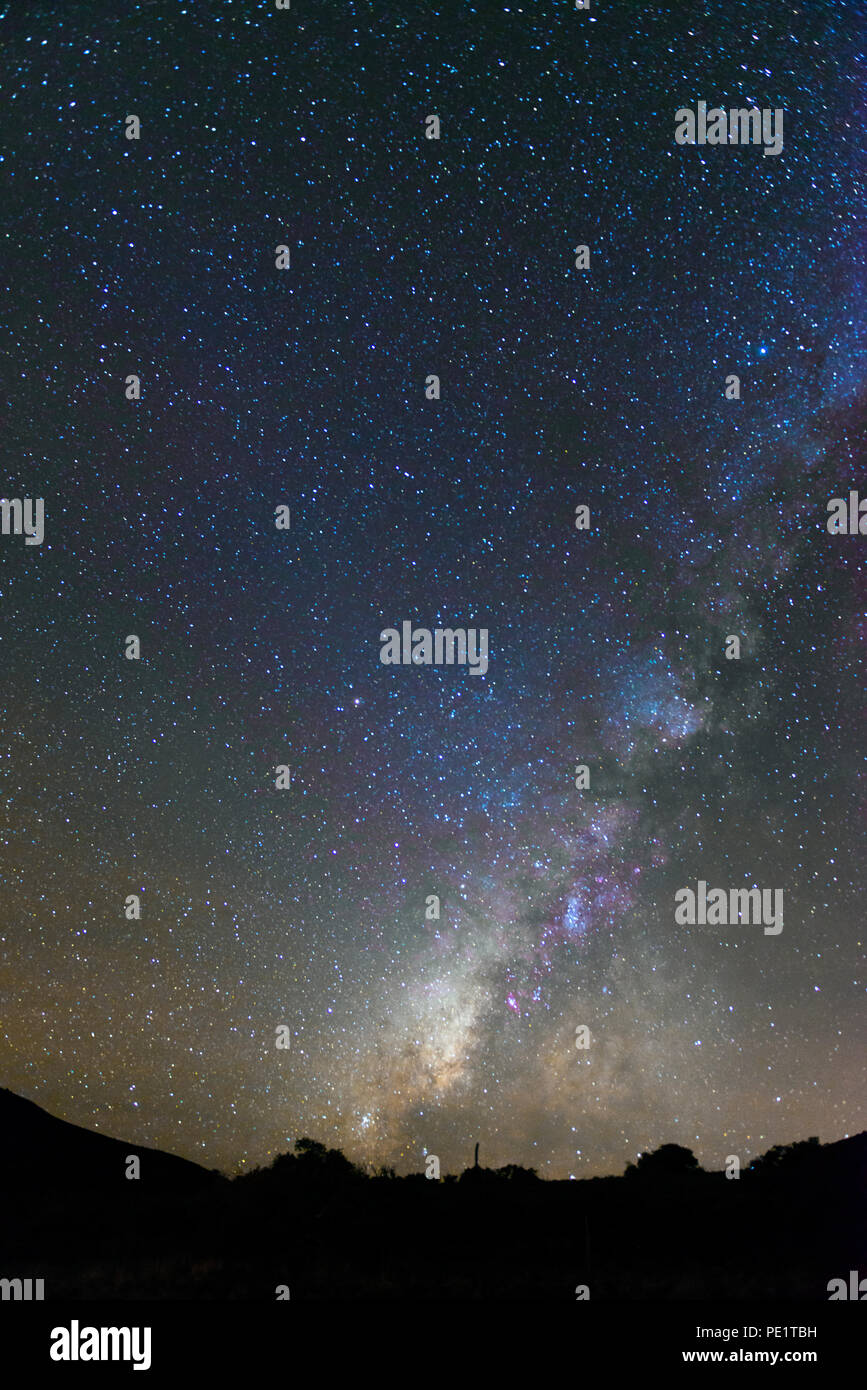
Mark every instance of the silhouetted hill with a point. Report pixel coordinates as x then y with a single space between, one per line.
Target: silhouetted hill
844 1159
314 1223
38 1150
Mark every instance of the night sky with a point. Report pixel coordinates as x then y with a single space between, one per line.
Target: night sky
305 387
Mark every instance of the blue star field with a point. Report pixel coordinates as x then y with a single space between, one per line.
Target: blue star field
305 387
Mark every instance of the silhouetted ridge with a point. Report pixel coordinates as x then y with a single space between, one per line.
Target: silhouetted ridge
37 1149
787 1225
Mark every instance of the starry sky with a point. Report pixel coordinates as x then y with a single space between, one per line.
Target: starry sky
305 387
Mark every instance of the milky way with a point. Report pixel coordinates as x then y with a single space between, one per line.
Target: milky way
560 387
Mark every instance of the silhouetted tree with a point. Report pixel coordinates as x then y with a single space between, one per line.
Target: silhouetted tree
312 1149
513 1172
787 1158
669 1161
313 1163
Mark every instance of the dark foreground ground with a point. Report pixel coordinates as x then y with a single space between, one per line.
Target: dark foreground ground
316 1225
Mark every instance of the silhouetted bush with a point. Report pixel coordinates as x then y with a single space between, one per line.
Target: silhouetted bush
669 1161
